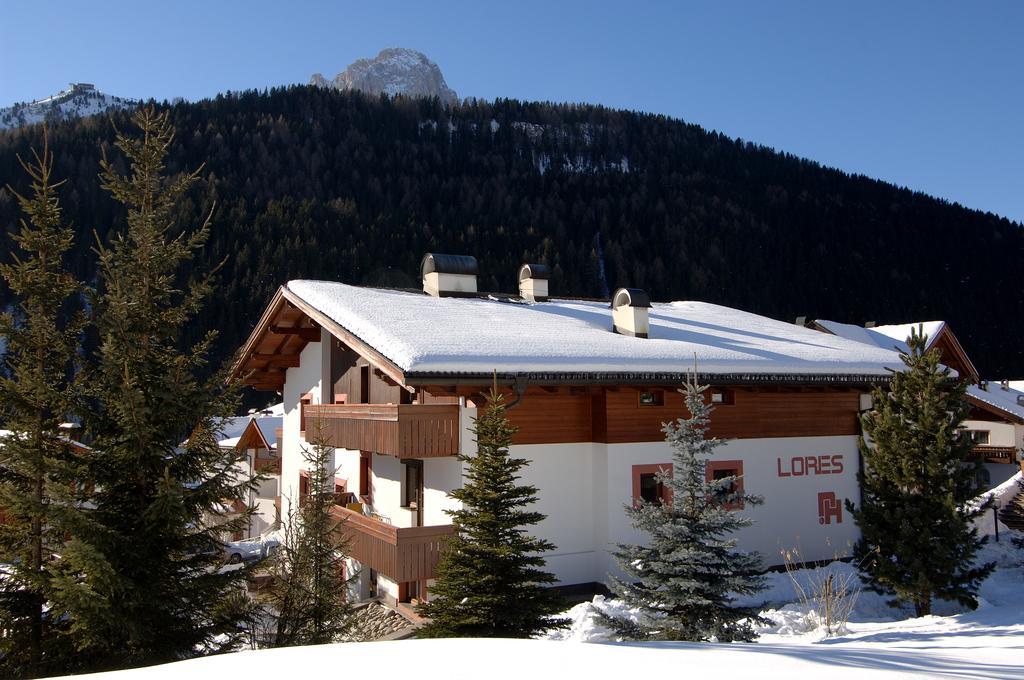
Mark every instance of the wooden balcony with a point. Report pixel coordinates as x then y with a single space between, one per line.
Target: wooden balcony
401 554
268 466
995 454
401 430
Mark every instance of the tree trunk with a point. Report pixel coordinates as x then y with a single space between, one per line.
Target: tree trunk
923 604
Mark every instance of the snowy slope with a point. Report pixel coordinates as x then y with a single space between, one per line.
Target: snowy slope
77 101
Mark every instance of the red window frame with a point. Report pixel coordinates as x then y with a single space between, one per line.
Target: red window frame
647 469
734 467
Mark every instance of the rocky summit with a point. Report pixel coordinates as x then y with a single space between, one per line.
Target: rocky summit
394 71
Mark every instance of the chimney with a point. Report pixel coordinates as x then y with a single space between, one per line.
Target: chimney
448 275
801 321
629 312
533 282
869 324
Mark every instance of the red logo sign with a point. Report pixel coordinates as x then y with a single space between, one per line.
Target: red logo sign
803 466
829 507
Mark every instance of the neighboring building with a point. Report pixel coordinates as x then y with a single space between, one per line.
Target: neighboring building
996 423
997 428
393 379
257 435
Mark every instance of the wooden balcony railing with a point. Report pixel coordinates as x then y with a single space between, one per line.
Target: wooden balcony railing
995 454
404 431
401 554
269 466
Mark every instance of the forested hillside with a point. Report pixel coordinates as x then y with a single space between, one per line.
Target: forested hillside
317 183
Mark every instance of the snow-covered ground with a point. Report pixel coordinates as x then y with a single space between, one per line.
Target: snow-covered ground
879 642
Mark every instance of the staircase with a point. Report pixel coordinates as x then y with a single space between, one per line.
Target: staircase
1012 514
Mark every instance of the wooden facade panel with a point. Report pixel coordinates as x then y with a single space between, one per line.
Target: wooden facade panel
753 414
552 418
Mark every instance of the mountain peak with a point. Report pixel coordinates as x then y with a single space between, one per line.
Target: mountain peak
80 99
396 70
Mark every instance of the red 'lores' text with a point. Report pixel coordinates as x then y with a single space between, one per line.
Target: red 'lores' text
800 466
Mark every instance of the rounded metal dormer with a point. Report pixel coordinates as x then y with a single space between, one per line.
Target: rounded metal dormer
534 271
630 297
441 263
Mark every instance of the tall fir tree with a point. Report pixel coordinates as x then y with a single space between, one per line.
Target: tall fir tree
310 594
37 461
917 539
685 579
490 580
140 576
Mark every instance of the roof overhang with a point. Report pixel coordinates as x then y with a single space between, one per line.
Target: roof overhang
252 438
287 325
991 408
640 378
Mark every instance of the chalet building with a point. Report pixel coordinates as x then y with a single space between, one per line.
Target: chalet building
254 437
391 379
996 422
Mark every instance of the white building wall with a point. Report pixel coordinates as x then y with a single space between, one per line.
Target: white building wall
440 476
303 379
583 489
563 475
1000 433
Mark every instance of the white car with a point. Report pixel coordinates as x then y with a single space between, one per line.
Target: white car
243 551
254 548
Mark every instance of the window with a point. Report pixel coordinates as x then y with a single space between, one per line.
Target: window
413 483
721 397
365 469
364 384
979 437
651 490
647 486
652 398
304 401
721 469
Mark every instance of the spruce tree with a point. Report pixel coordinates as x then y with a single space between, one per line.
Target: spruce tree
309 596
917 539
685 579
140 576
490 580
37 477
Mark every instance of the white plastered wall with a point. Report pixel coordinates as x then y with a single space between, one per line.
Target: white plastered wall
306 378
583 489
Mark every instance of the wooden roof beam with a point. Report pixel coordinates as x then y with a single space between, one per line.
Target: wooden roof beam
277 360
305 333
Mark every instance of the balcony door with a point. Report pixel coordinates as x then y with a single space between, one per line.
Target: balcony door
413 488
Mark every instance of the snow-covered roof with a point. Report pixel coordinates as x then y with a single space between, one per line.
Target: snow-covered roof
268 420
7 433
1003 398
893 336
424 335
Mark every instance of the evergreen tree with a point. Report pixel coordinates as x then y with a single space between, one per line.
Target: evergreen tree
685 579
490 580
917 539
310 597
37 489
140 576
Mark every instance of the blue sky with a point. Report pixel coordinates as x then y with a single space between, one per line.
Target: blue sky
928 95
